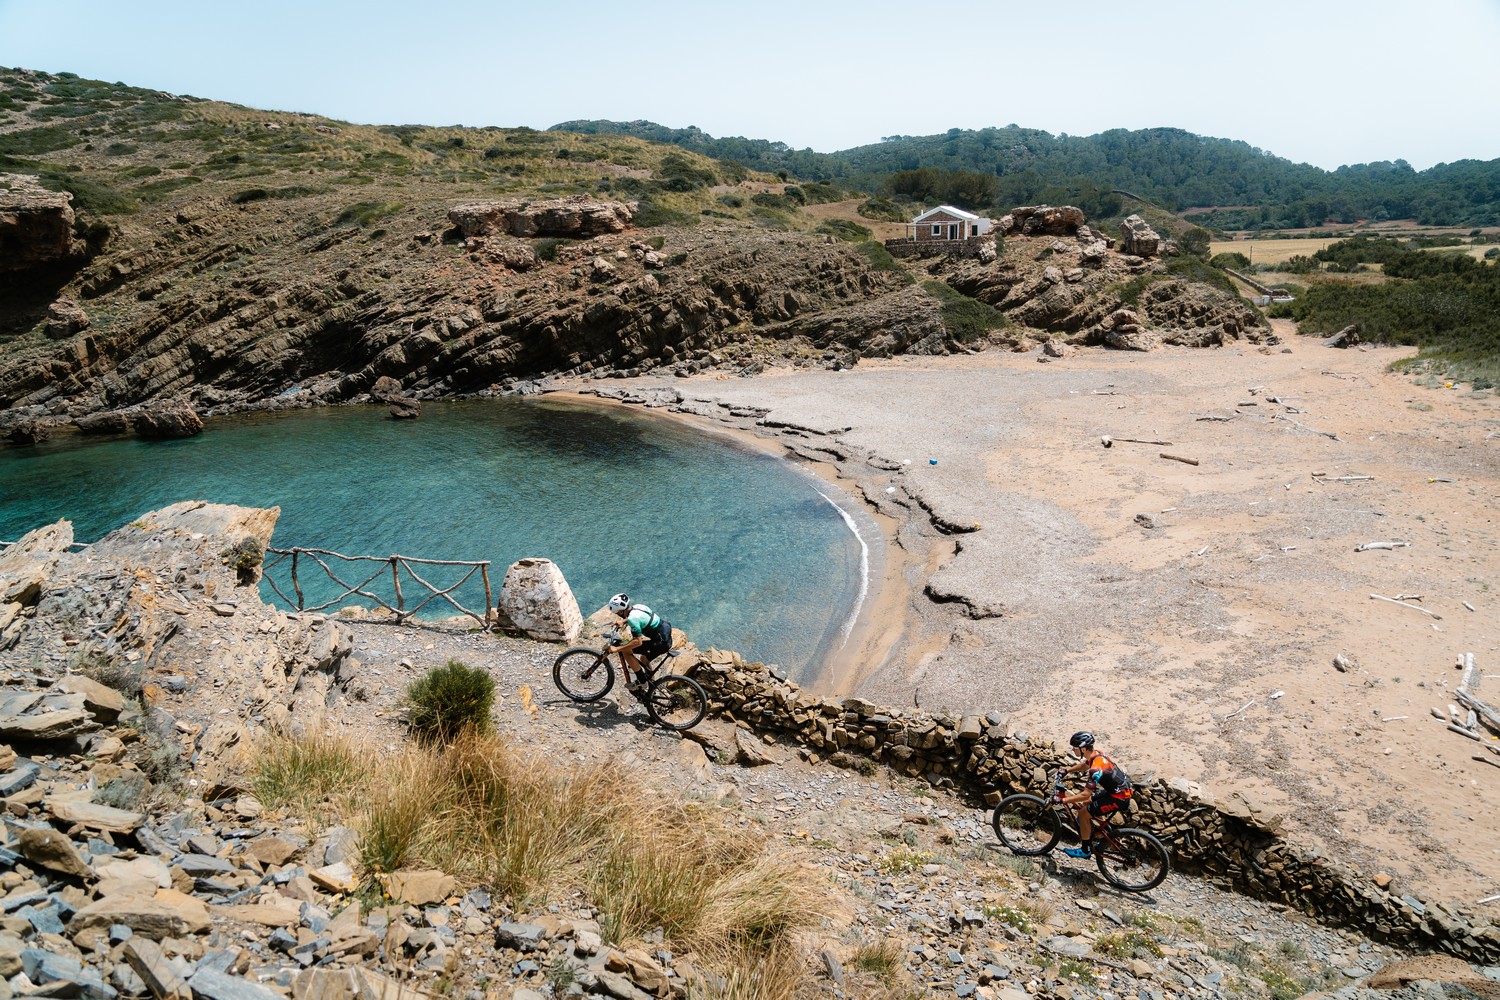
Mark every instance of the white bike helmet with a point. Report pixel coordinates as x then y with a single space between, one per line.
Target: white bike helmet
620 602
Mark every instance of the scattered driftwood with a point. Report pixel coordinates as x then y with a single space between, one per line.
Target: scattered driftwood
1347 337
1487 899
1179 458
1218 416
1441 479
1298 423
1487 760
1367 546
1429 614
1468 605
1341 479
1106 440
1460 730
1486 715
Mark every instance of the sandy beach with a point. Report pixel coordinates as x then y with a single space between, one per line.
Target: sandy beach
1189 614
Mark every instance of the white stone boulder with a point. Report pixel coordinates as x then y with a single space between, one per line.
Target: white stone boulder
537 600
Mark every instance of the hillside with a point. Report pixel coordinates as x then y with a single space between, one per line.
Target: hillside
240 259
1170 166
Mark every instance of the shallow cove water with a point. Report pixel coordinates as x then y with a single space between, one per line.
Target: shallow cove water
739 549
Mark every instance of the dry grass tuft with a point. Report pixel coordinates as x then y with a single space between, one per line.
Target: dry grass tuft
535 831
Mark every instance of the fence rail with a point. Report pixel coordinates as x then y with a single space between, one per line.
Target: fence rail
393 564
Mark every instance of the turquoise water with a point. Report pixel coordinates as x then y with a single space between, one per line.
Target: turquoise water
737 548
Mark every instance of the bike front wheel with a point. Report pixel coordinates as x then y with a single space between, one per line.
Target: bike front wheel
1134 861
1027 824
676 702
583 674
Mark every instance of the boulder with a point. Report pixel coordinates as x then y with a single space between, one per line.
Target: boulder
421 888
28 432
114 422
46 847
536 599
103 702
403 407
1137 238
166 914
65 318
576 217
26 566
173 420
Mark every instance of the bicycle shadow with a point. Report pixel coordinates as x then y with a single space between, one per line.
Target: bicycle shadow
1072 873
605 715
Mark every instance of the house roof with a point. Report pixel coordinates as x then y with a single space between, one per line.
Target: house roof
957 213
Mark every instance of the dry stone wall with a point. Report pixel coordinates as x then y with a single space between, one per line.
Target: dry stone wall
1235 839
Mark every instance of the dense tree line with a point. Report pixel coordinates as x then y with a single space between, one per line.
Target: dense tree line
1247 188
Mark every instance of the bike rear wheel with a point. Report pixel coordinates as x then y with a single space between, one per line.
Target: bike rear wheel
583 674
1135 861
676 702
1027 824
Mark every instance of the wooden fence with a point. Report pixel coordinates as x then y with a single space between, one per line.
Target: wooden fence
385 565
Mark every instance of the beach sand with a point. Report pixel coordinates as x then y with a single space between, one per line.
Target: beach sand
1018 579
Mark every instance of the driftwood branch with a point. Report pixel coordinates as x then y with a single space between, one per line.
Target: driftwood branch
1456 728
1222 418
1179 458
1341 479
1367 546
1327 434
1429 614
1107 441
1471 678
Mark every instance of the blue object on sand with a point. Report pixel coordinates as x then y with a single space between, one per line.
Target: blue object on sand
932 461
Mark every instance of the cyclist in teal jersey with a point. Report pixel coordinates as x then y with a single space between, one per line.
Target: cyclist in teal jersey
650 636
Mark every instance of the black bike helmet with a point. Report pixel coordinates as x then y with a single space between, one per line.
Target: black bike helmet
1083 739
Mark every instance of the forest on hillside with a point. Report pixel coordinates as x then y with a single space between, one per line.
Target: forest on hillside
1246 188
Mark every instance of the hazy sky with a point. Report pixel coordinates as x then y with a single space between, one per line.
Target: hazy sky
1326 82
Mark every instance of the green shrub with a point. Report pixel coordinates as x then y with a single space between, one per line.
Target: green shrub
1233 259
853 232
546 247
966 319
881 259
157 190
886 210
48 139
365 213
449 700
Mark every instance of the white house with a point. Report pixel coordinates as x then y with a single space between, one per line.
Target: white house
947 223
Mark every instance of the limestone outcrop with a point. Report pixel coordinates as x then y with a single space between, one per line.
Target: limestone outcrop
576 217
1042 220
1138 238
36 225
388 391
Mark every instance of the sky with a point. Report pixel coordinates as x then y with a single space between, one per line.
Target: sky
1327 82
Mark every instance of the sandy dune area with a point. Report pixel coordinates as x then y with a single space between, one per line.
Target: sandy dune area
1189 614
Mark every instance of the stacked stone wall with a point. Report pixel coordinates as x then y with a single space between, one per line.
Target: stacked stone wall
1235 840
965 248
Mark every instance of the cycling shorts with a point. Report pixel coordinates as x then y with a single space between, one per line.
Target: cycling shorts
1104 803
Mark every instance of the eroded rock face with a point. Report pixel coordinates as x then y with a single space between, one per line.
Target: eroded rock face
578 217
388 391
537 600
36 225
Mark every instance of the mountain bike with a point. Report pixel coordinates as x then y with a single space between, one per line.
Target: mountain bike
586 674
1129 859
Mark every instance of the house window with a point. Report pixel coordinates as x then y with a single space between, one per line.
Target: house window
937 230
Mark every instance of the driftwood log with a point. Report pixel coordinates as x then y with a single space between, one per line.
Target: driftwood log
1179 458
1367 546
1429 614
